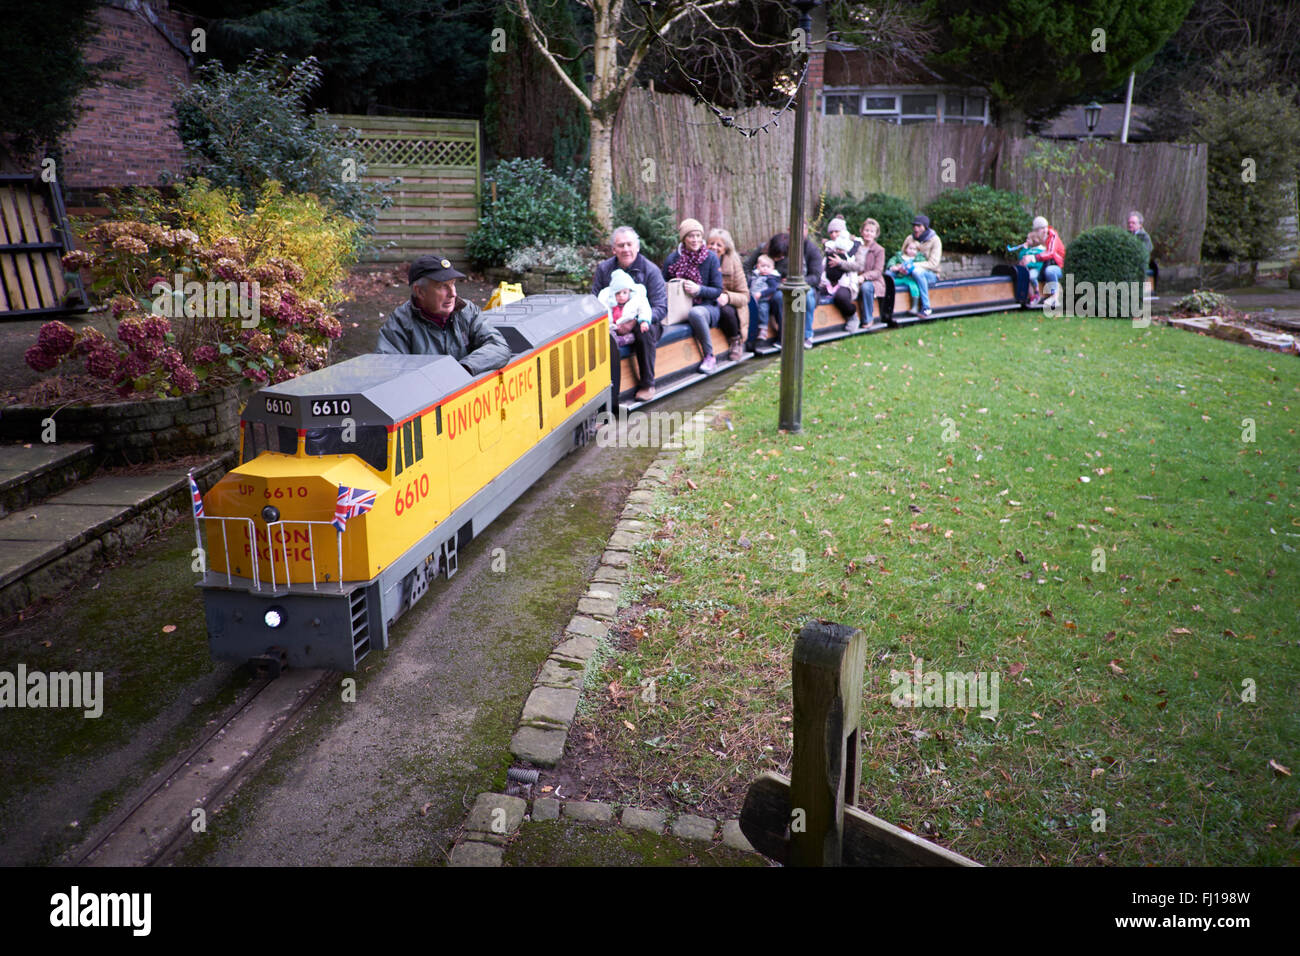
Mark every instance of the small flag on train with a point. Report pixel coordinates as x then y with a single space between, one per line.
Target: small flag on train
352 503
195 497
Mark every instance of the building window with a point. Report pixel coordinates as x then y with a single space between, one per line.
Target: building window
842 104
906 107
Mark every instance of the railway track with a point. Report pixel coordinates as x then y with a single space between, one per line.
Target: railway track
152 828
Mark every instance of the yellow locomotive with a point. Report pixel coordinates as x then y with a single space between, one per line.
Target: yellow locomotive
359 483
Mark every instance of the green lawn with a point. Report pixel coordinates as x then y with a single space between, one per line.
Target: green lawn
1095 530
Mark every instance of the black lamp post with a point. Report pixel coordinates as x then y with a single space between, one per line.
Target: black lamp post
1091 113
794 290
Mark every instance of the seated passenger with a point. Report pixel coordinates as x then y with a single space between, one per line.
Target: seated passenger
1027 252
841 280
925 270
696 264
628 306
778 248
764 286
870 266
902 263
434 321
1136 227
733 304
1052 259
645 338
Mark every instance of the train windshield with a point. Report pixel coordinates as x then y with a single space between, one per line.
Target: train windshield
367 442
260 437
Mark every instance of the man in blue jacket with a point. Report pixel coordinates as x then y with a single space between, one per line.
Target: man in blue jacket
627 256
434 321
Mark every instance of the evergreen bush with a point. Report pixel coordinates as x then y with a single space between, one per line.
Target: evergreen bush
979 218
533 205
1106 254
250 126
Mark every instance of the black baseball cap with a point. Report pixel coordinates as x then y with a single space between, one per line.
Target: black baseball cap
434 267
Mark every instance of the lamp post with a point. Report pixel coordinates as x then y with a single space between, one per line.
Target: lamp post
794 290
1091 113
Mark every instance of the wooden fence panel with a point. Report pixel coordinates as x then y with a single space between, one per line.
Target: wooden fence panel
435 206
712 173
1166 182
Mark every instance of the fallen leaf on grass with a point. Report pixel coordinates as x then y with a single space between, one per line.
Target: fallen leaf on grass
1097 772
1005 774
1115 668
1020 556
629 725
424 810
1046 612
168 628
1015 669
637 633
1278 768
1110 636
1180 630
691 485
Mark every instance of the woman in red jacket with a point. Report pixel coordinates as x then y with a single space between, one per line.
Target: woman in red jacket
1053 259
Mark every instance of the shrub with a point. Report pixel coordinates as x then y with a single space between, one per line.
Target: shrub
249 126
1106 254
1201 302
167 336
532 204
552 257
654 221
279 224
979 218
894 215
1251 127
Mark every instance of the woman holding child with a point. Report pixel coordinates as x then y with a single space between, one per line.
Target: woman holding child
843 272
701 273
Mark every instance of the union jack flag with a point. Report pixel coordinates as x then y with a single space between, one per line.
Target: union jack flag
352 503
195 497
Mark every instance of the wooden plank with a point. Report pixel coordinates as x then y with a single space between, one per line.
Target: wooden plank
8 267
828 664
868 840
434 201
53 261
399 124
27 282
36 261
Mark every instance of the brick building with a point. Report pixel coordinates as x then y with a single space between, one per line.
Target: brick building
126 136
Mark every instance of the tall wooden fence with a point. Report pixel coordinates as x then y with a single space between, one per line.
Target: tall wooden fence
713 174
435 205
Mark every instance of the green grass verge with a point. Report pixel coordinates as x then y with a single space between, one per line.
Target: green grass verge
1075 506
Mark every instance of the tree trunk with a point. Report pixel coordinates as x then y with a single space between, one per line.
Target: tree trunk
601 197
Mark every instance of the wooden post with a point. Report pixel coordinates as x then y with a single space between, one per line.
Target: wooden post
828 664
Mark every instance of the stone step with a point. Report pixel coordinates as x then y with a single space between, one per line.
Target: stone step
49 547
31 472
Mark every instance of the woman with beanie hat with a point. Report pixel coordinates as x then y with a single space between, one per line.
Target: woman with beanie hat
698 267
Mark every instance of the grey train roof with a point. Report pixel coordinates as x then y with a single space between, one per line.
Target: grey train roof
389 388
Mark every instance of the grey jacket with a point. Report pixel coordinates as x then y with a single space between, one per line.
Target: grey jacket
467 337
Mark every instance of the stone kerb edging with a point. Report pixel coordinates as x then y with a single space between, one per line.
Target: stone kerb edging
549 711
496 817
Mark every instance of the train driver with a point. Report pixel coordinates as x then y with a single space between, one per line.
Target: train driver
434 321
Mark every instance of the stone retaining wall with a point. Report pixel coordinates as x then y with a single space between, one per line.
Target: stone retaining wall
68 570
132 432
535 283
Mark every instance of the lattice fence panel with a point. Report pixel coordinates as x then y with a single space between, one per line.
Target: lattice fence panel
435 206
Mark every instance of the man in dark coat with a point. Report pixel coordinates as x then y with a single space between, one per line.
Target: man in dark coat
627 256
434 321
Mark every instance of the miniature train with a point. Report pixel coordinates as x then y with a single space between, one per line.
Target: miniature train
359 483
